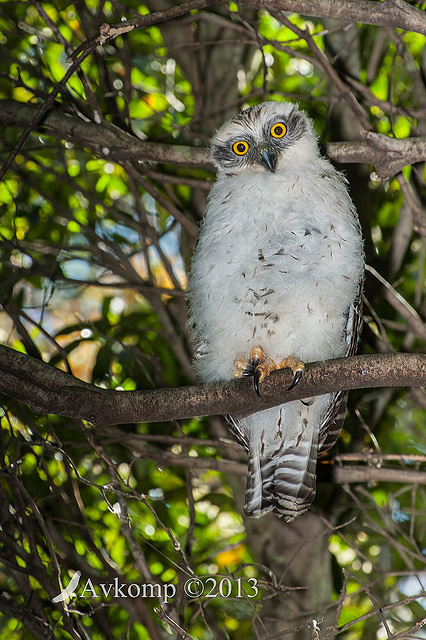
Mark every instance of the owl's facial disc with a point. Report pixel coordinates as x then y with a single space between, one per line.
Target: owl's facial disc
268 158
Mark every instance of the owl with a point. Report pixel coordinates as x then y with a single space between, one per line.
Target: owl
276 281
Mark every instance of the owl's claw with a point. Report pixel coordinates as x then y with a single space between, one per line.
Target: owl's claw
297 376
256 379
259 366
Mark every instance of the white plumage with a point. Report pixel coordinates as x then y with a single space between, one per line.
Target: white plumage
278 265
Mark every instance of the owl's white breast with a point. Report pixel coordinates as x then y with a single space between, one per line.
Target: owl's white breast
277 264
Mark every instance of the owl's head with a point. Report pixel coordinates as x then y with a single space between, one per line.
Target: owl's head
267 137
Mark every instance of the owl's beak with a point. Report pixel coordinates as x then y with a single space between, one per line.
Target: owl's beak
268 159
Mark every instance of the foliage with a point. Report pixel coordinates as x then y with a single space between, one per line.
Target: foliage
92 280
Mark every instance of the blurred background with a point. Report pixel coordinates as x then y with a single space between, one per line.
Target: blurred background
99 212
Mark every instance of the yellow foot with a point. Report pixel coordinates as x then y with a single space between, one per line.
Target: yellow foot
259 366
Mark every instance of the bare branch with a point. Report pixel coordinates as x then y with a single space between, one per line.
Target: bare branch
405 310
419 219
108 32
174 625
388 155
37 627
340 474
350 474
40 110
105 139
392 13
327 68
49 390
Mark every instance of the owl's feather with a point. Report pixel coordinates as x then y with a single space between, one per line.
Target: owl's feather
278 265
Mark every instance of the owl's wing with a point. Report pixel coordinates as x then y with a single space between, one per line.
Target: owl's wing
335 416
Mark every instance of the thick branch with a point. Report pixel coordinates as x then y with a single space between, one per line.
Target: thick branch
388 155
392 13
49 390
105 139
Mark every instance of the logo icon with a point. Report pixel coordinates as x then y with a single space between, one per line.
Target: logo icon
69 590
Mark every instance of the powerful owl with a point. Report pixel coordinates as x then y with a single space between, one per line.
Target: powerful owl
275 282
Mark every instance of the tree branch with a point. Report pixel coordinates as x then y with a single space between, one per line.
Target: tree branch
105 139
38 628
40 110
388 155
338 473
108 32
350 474
392 13
49 390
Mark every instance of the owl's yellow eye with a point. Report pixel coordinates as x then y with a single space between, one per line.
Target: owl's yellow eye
278 130
240 148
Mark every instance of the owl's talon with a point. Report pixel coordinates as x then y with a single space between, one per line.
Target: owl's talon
259 366
244 368
256 379
297 376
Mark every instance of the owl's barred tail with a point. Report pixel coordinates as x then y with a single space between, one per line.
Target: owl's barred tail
284 483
